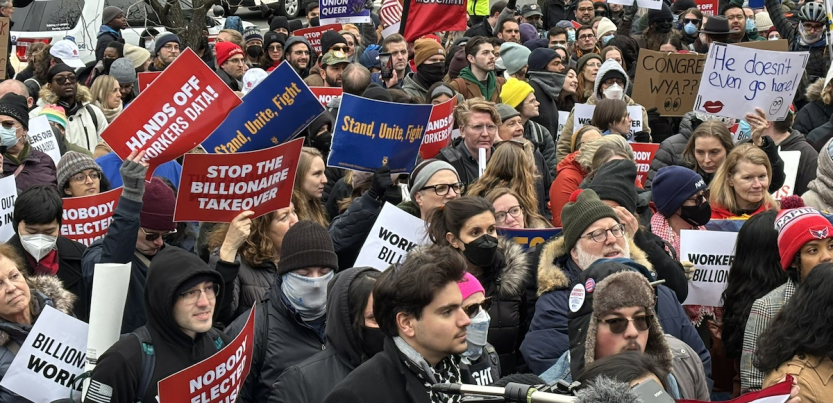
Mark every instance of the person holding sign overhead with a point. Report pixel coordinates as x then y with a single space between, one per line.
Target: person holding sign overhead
24 298
29 166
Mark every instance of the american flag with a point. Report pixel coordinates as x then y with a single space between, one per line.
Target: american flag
391 12
778 393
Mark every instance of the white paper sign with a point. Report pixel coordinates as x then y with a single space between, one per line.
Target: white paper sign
583 115
42 138
8 194
110 283
737 79
49 361
393 235
712 253
791 159
562 119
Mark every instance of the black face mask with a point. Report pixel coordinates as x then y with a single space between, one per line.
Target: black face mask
663 27
322 142
254 51
431 73
696 215
373 341
481 251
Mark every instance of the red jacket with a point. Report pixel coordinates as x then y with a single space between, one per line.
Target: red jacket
568 178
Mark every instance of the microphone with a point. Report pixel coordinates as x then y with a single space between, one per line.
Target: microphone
513 392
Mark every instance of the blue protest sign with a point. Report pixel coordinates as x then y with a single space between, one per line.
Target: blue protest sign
273 113
369 134
343 12
529 237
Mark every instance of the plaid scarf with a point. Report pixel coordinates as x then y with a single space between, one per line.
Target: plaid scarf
446 371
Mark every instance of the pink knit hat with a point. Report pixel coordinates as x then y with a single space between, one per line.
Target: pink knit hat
470 285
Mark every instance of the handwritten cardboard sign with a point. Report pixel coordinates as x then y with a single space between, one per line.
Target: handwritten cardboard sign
668 81
5 28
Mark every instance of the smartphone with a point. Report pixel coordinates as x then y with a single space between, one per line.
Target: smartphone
387 65
651 392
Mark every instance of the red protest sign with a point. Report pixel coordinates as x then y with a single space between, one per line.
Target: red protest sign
175 114
326 94
643 154
426 17
87 218
313 34
438 133
146 78
217 378
218 187
707 7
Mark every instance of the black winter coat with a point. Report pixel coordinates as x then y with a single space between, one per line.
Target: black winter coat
314 378
547 87
251 284
104 39
819 136
557 10
340 191
808 163
816 112
350 229
482 29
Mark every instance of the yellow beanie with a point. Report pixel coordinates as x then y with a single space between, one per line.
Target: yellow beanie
514 92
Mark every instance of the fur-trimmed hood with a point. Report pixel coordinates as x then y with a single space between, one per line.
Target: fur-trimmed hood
44 290
553 257
815 89
47 97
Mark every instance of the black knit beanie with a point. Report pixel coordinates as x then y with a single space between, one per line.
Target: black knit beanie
615 181
663 14
307 244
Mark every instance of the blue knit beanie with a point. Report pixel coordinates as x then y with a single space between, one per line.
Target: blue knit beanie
672 186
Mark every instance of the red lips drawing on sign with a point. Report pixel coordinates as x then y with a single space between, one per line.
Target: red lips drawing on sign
713 106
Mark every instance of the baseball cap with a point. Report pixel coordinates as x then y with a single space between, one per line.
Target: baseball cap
67 51
334 57
529 10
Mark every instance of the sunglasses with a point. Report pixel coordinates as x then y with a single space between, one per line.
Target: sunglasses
473 309
619 325
66 79
154 236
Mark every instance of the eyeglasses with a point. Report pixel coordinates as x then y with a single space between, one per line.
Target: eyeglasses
275 48
442 189
611 81
514 211
593 64
344 48
155 235
192 296
813 27
473 309
236 61
61 80
587 37
619 325
82 177
600 235
171 47
491 129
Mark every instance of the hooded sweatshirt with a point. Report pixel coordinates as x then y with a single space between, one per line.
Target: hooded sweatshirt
547 87
313 379
293 40
120 367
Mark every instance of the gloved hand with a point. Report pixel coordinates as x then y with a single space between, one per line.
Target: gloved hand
653 113
133 173
380 183
642 137
688 268
630 11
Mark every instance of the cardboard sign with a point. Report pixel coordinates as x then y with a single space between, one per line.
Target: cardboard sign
110 281
643 154
5 28
218 187
174 114
326 94
369 134
42 139
8 195
146 78
738 79
343 12
217 378
707 7
529 237
440 126
712 253
791 160
313 35
393 235
583 115
47 366
273 113
668 81
87 218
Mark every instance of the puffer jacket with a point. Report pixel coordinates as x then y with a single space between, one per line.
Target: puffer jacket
413 88
670 151
547 87
38 169
44 290
816 112
83 129
313 379
547 339
251 284
569 178
819 192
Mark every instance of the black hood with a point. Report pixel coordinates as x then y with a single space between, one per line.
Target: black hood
339 331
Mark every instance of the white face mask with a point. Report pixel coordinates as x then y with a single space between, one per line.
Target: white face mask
38 245
150 44
476 334
614 92
308 295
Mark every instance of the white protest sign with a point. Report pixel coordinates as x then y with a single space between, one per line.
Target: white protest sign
110 282
737 79
562 119
51 358
650 4
622 2
42 138
8 194
712 253
393 235
583 115
791 160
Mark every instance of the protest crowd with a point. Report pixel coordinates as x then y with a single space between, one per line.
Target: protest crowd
590 197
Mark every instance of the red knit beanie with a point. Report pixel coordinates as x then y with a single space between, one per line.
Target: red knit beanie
158 206
796 227
225 50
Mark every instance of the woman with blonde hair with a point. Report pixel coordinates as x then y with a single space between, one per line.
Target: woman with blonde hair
740 188
509 212
309 187
107 96
512 167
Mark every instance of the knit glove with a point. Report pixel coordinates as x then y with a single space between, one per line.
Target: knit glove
688 268
380 183
642 137
133 176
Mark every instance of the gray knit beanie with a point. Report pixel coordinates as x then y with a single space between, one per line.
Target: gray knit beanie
307 244
423 172
109 14
72 163
123 71
515 57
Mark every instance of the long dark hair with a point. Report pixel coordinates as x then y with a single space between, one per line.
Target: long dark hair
755 272
803 325
623 367
453 216
357 296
